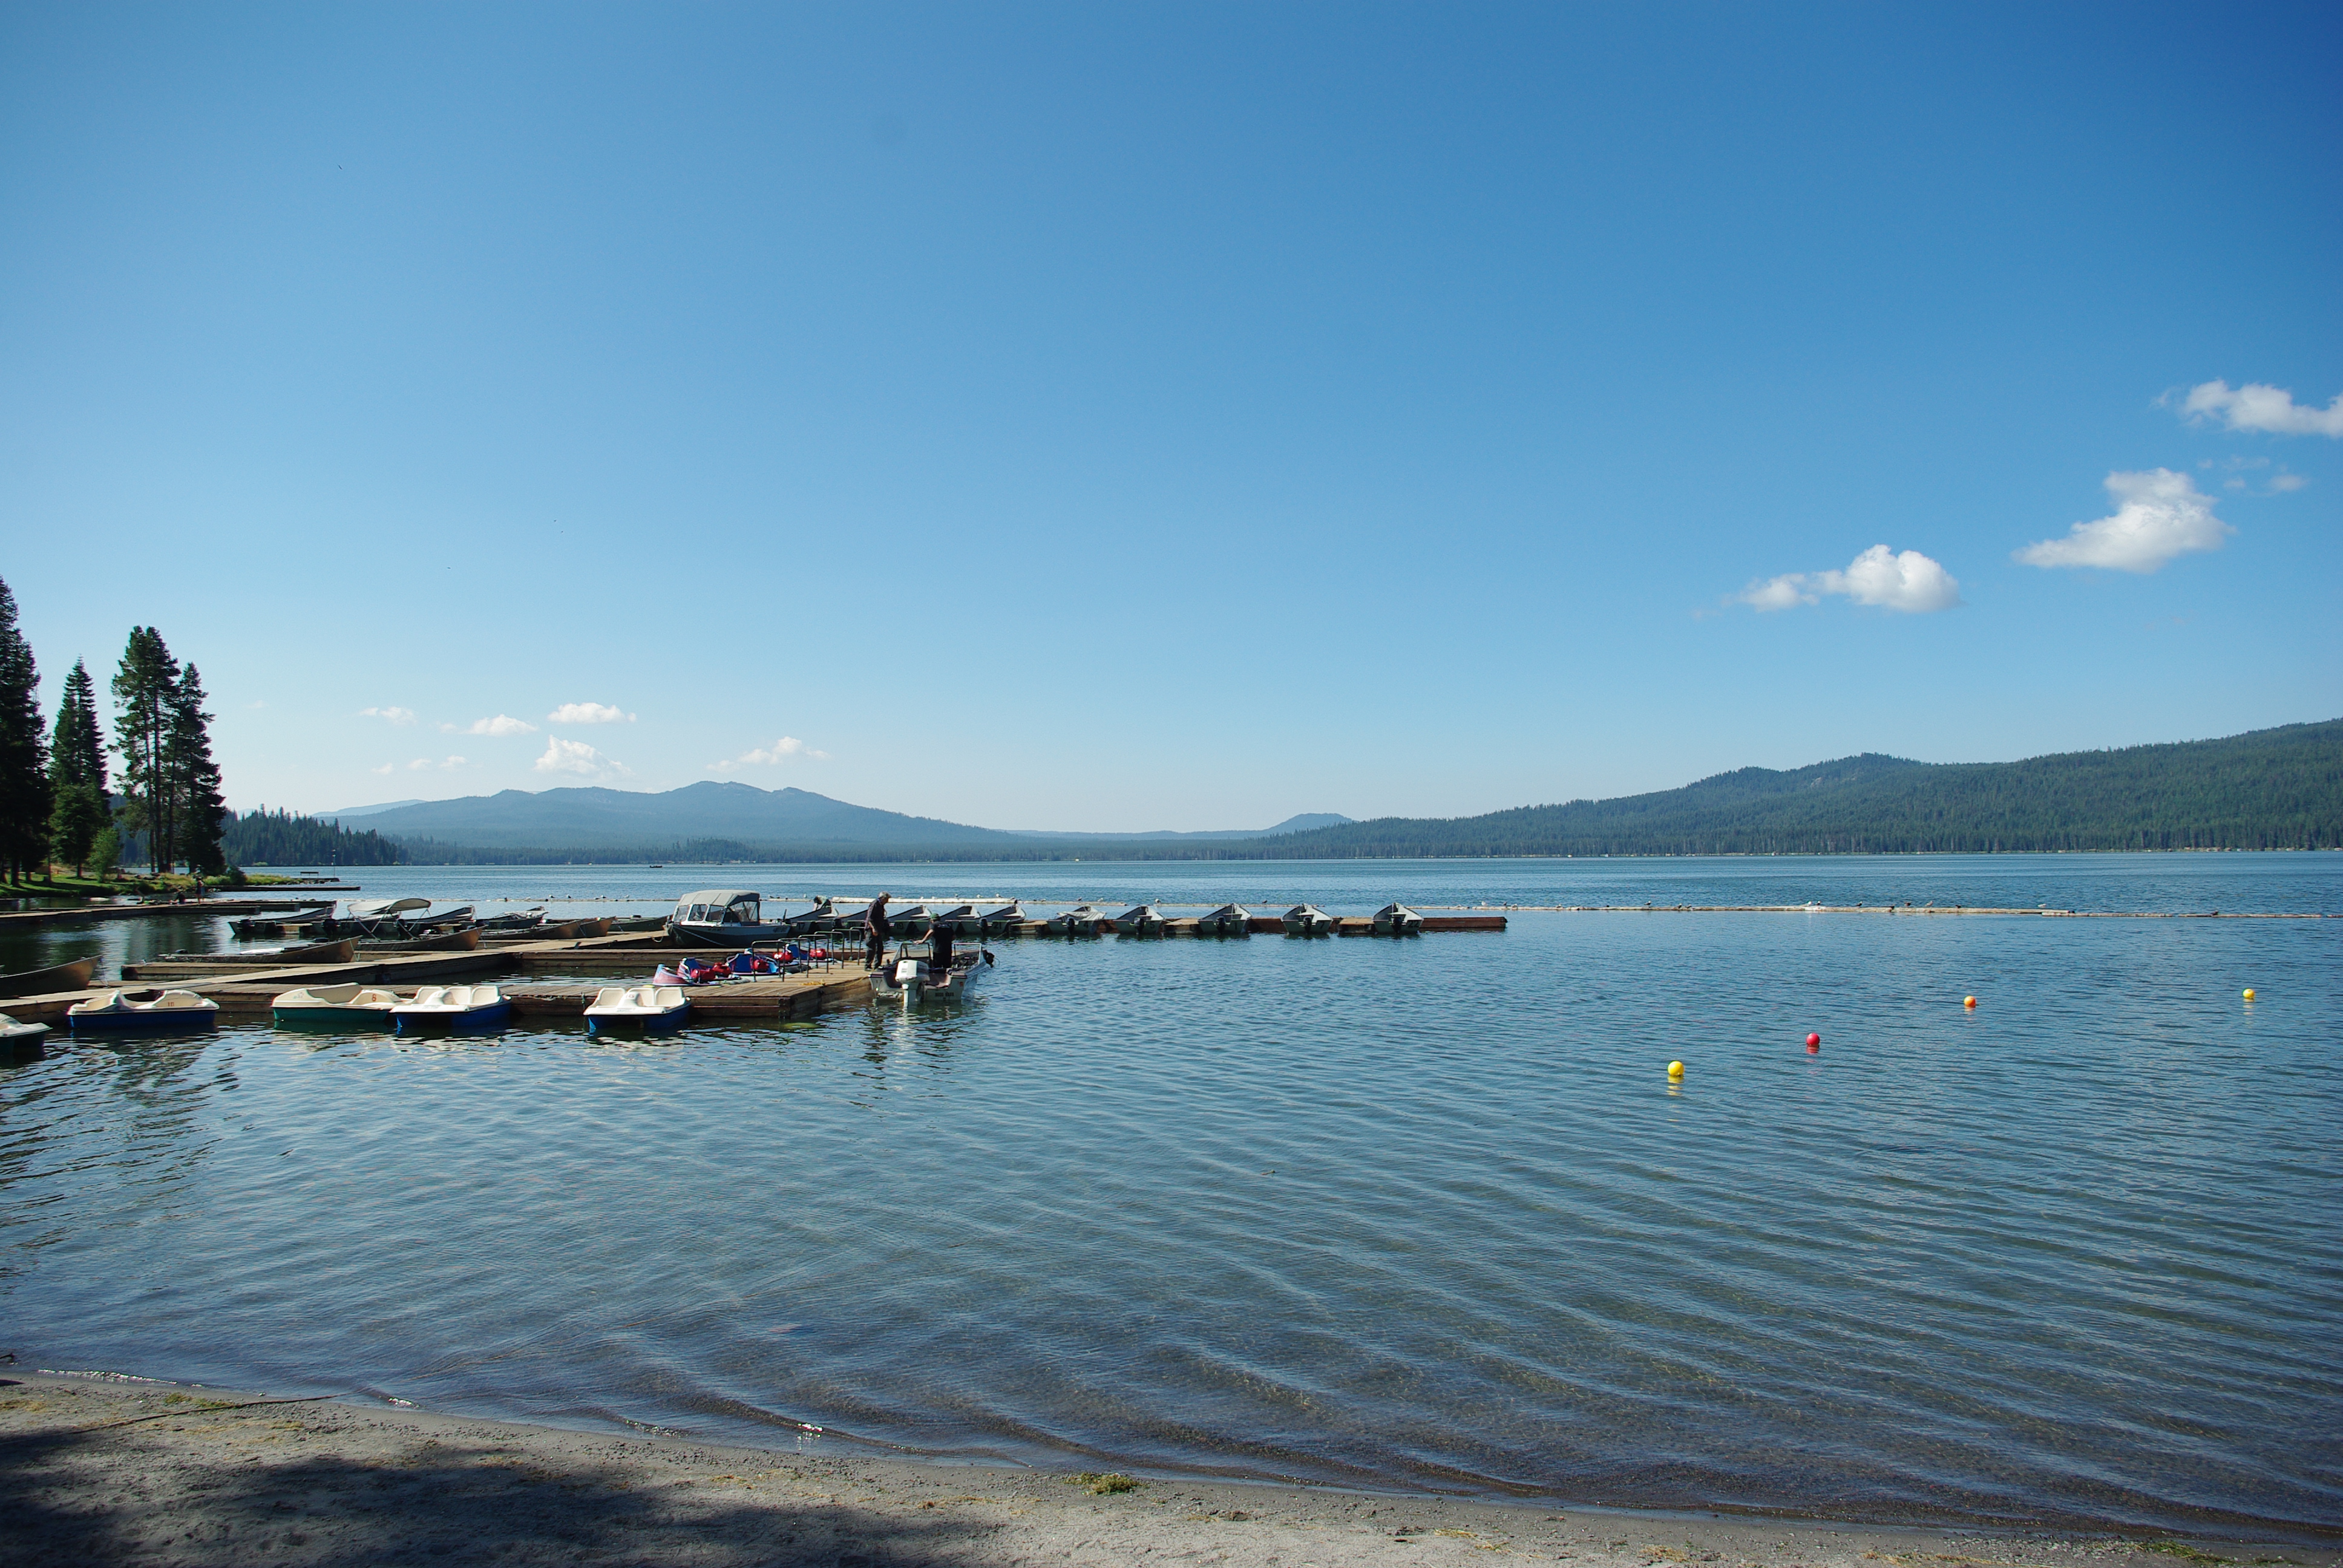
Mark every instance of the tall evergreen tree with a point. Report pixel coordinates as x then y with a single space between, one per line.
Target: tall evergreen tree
23 760
193 778
145 696
77 745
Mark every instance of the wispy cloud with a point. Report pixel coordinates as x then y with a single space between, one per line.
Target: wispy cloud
786 749
576 757
451 764
1908 581
396 715
589 713
2159 514
2258 406
386 768
418 765
502 724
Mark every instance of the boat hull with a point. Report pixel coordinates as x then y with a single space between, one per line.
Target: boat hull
666 1022
340 1020
162 1021
486 1019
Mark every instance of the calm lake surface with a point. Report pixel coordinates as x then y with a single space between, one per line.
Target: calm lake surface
1421 1214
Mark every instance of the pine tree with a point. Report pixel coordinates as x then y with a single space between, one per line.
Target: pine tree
24 771
77 745
193 778
145 688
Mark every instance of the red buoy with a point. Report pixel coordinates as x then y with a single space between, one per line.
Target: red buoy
1814 1044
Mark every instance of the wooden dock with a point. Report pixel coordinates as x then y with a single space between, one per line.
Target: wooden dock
76 915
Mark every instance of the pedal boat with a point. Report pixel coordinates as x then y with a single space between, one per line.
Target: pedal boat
21 1038
652 1008
1308 920
457 1009
173 1012
911 981
365 1008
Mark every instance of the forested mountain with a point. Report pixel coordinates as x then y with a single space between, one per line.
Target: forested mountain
266 837
2271 789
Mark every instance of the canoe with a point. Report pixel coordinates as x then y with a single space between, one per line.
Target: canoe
174 1011
457 1009
653 1008
72 976
343 1006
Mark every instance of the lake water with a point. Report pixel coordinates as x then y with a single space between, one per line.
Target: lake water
1421 1214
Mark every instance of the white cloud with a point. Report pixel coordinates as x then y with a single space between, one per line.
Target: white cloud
2287 482
781 750
418 765
396 715
576 757
2159 514
502 724
386 768
2258 406
451 765
587 713
1908 581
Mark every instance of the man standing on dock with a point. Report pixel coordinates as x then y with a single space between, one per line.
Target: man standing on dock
874 933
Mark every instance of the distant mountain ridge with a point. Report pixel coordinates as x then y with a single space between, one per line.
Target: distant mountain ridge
2269 788
596 819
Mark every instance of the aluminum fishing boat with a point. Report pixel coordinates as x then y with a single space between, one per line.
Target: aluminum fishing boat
1140 921
1398 920
911 981
1228 920
1308 920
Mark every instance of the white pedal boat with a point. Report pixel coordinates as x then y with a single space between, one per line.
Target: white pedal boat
116 1013
911 981
457 1009
350 1007
27 1038
653 1008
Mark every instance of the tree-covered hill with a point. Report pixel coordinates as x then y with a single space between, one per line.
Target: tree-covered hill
2271 789
266 837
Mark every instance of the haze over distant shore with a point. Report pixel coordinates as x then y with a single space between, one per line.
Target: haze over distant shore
2266 790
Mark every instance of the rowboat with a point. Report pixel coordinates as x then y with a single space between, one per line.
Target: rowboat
1084 921
174 1011
342 1006
1228 920
653 1008
1140 921
72 976
457 1009
465 941
1398 920
1308 920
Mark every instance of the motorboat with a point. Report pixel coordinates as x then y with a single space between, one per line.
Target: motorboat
723 917
380 916
173 1012
1308 920
1007 917
21 1038
70 976
1140 921
344 1006
1398 920
912 924
1228 920
967 921
911 981
457 1009
654 1009
461 915
827 916
1085 921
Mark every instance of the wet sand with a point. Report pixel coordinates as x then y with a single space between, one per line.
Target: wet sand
94 1469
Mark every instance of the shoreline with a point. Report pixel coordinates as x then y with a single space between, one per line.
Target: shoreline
97 1467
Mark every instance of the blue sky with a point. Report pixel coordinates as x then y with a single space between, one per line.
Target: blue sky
1176 416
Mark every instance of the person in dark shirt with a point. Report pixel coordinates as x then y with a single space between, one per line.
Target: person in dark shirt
939 945
874 931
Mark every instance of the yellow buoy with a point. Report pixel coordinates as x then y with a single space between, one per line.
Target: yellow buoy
1968 1002
1675 1069
2250 993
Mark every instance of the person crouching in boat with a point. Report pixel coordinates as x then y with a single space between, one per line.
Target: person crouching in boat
874 933
940 944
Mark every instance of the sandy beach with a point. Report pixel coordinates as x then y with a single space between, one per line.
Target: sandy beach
102 1470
